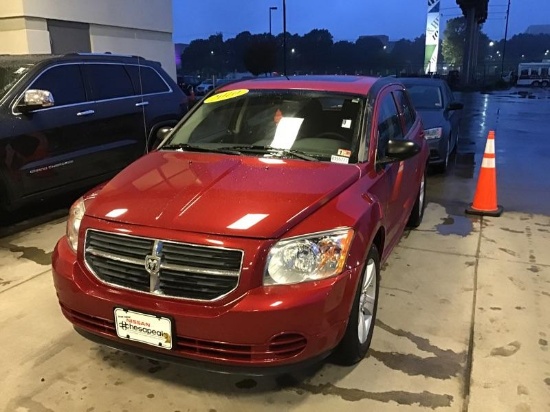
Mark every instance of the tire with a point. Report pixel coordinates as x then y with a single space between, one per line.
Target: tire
356 341
535 84
545 83
417 212
442 167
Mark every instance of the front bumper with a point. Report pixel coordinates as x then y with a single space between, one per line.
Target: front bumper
265 328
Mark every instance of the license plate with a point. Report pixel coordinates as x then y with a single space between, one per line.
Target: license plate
141 327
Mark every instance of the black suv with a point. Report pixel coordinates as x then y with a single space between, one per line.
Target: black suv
70 122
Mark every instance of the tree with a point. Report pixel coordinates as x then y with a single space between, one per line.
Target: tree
315 49
261 56
454 38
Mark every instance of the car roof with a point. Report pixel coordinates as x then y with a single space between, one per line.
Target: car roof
337 83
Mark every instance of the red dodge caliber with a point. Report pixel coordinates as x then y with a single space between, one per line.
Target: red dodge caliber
251 240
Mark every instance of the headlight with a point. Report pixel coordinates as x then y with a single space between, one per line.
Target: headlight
73 223
434 133
306 258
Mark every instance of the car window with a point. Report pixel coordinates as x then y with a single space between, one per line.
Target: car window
64 82
109 81
389 125
408 112
426 96
146 80
321 124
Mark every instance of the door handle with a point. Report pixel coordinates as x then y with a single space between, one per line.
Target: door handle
85 113
142 104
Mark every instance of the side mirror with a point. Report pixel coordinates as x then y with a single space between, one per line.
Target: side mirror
398 150
34 99
455 106
163 132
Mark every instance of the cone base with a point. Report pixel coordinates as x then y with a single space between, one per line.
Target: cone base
495 213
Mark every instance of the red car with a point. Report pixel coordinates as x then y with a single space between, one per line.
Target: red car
252 239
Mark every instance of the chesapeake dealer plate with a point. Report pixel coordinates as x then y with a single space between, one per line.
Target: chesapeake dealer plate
140 327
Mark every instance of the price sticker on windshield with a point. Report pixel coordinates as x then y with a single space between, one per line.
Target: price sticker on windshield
231 94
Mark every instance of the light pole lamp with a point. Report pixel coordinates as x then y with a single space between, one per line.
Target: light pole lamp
270 10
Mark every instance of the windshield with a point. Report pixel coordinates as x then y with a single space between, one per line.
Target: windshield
11 71
425 96
301 124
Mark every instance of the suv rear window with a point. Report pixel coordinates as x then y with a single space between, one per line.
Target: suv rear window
109 81
146 80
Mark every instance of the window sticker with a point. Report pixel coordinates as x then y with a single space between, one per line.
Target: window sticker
339 159
344 152
346 123
231 94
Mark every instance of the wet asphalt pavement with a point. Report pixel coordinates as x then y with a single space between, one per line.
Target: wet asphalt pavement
520 118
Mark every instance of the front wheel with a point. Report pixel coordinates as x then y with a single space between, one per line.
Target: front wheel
356 341
417 212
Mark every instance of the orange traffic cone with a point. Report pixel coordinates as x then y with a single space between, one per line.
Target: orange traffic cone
485 199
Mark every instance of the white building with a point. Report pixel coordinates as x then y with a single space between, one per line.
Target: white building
140 27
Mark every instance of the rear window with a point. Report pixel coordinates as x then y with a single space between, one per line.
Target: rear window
109 81
146 80
425 96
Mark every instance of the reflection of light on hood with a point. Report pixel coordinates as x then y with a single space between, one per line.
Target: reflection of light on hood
116 212
287 130
247 221
271 161
275 304
215 242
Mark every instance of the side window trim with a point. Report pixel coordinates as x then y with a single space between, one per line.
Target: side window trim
87 81
169 89
37 77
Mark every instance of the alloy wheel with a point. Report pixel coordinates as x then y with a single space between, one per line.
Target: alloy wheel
367 301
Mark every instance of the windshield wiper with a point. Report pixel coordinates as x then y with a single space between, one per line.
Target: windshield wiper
192 148
276 151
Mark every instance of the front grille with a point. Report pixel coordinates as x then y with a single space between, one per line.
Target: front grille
185 270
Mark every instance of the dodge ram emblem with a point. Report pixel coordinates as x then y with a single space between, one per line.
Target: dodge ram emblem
152 264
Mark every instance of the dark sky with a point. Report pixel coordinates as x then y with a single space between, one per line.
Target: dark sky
345 19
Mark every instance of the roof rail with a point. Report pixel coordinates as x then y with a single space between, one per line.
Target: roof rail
107 53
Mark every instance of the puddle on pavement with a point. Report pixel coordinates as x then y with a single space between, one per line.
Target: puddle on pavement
455 225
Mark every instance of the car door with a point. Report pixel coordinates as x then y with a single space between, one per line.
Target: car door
410 168
387 126
118 134
45 146
452 115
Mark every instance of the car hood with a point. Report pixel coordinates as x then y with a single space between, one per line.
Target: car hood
220 194
433 118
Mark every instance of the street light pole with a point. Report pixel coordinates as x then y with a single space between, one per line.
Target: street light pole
505 38
284 37
270 10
